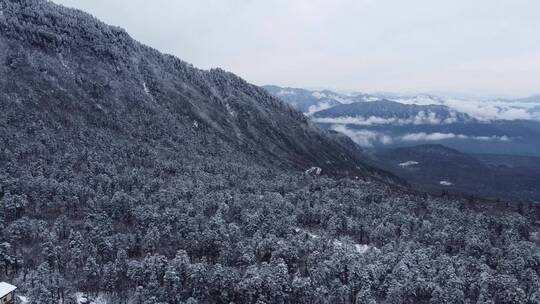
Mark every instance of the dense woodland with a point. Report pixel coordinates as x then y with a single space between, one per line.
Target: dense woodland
184 188
159 231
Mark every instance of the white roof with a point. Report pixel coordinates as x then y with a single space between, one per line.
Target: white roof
6 288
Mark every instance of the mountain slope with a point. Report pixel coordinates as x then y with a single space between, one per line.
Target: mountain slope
64 70
439 168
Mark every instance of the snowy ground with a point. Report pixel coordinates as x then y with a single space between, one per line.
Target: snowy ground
358 248
408 163
83 298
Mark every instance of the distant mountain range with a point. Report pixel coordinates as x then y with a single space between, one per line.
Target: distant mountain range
386 121
532 98
312 101
487 148
385 111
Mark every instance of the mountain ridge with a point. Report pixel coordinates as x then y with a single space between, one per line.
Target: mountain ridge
391 109
56 54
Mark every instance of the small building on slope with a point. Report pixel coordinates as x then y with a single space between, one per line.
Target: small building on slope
7 293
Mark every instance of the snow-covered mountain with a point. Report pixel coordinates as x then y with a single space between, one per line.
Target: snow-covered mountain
389 112
312 101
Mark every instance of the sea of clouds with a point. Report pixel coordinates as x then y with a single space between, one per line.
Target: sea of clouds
422 118
483 110
370 138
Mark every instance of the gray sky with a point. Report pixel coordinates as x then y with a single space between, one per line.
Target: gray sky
474 47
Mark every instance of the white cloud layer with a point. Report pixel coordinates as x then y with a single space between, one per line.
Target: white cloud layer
483 110
364 138
436 136
422 118
491 110
318 107
369 138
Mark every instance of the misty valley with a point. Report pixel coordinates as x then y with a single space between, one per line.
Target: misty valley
488 148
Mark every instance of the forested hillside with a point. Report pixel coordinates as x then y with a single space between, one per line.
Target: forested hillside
65 71
134 177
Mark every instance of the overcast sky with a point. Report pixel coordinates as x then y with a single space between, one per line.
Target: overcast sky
474 47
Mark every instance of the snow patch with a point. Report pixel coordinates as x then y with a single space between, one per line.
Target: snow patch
63 63
312 235
361 248
446 183
343 100
408 163
318 95
314 171
419 100
83 298
230 110
145 88
283 92
371 98
22 300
